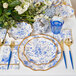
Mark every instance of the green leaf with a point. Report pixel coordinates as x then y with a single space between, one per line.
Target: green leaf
8 13
14 3
1 18
0 10
43 12
1 24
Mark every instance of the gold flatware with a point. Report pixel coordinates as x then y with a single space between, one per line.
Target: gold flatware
69 42
0 42
62 45
12 46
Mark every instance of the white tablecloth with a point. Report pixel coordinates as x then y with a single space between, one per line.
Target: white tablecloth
60 69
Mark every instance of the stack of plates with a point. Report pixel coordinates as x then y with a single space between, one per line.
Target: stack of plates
39 52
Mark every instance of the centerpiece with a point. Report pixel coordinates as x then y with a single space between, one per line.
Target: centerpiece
38 13
13 11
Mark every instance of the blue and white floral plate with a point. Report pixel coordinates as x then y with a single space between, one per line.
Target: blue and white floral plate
52 1
64 11
42 67
67 2
2 33
4 57
66 33
40 50
22 30
59 2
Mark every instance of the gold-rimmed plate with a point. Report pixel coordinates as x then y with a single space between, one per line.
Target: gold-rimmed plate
40 50
64 11
42 67
21 31
59 2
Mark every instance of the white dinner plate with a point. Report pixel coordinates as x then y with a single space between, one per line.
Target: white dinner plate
22 30
40 50
42 67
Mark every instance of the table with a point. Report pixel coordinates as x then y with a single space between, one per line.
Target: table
60 68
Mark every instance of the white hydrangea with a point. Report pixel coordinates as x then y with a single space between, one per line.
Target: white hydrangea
48 2
22 1
41 16
30 1
21 10
26 5
42 9
5 5
46 17
36 17
37 4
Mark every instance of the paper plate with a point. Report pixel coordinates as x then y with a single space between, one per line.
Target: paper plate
64 11
23 30
2 33
4 55
53 1
40 50
42 67
59 2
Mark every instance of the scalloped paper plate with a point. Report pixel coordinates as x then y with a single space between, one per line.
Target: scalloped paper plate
40 50
64 11
23 30
2 33
59 2
53 1
42 67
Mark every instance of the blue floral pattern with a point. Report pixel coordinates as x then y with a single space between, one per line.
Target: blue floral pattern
2 33
4 67
40 50
64 11
53 1
23 30
39 67
66 34
4 56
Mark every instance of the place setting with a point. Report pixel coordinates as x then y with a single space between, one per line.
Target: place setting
32 33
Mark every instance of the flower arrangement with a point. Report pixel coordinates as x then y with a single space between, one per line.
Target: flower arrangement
13 11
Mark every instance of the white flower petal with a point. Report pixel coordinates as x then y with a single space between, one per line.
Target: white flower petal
5 5
47 2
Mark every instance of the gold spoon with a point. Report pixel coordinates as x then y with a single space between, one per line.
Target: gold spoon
69 42
62 45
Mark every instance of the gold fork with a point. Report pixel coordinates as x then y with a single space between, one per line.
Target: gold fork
69 42
12 46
